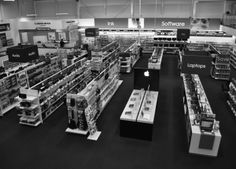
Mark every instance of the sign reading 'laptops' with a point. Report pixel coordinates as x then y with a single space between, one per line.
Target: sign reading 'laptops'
196 63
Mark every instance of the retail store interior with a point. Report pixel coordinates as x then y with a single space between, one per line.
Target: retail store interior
126 84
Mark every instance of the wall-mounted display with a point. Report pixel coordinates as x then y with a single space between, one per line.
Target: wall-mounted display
3 39
5 27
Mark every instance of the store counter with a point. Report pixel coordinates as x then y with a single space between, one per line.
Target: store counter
137 118
202 142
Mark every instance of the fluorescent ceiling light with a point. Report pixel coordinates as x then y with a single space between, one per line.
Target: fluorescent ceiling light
9 0
23 19
31 14
61 13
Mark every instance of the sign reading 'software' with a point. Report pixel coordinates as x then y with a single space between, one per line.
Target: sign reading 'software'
196 64
23 53
166 23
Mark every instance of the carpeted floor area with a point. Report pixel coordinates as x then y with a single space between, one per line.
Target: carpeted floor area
49 147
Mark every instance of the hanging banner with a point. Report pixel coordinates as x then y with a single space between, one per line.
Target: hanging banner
111 22
204 24
136 23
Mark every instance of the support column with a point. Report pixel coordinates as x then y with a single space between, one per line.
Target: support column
194 8
132 8
78 4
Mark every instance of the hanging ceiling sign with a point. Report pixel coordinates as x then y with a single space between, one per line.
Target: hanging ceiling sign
167 23
53 24
42 23
111 22
205 24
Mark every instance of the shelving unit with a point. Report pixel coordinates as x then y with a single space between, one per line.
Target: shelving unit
9 89
147 45
233 58
28 75
221 65
137 118
85 107
203 132
164 41
232 96
155 60
129 57
47 96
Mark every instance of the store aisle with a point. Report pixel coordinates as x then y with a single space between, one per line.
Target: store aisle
48 146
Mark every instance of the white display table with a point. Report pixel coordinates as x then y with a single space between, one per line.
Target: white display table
138 123
200 142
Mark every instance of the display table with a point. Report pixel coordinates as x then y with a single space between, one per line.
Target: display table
156 59
200 142
137 118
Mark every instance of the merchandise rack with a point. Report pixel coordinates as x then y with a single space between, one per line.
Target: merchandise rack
233 58
129 57
221 65
102 57
196 104
44 98
26 76
147 45
232 96
85 107
167 41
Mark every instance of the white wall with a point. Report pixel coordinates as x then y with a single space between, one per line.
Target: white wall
212 9
47 9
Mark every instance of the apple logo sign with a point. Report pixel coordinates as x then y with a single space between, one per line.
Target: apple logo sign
146 73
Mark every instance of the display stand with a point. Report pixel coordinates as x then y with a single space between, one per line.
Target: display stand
137 118
232 96
85 107
221 64
29 75
203 132
129 57
155 60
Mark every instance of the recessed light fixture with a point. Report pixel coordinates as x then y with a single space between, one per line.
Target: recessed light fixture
9 0
61 13
23 19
